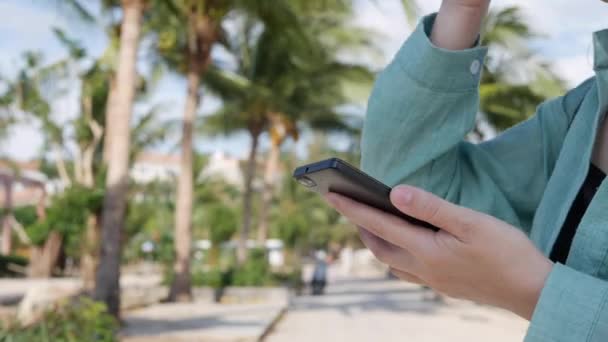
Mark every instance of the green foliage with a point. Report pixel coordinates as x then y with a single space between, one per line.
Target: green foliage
288 72
254 272
301 218
67 215
507 104
214 278
26 215
150 218
79 320
222 222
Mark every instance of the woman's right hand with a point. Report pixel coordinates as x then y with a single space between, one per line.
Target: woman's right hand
458 23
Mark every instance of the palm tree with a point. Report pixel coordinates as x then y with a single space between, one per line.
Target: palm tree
333 85
187 31
26 95
186 49
118 120
514 80
7 119
32 92
285 76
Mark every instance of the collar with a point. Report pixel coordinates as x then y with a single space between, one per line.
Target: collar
600 47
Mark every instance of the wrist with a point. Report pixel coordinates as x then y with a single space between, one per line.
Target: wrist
528 290
478 7
457 26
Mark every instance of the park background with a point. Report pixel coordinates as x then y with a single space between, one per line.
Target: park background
220 100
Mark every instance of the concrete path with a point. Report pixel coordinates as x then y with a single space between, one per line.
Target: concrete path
376 309
13 289
200 321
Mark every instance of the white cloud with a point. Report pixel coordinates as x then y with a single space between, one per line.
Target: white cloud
574 69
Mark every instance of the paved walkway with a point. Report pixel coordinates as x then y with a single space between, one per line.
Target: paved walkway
199 321
375 309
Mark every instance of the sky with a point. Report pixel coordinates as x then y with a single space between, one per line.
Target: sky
566 27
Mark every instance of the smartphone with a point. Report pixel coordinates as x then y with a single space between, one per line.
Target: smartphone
336 175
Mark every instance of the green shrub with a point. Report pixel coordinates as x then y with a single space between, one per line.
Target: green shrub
78 320
254 272
210 278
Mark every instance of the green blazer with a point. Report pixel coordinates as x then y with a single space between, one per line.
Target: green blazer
422 106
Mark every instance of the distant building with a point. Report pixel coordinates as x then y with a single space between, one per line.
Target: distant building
27 180
24 183
150 166
224 166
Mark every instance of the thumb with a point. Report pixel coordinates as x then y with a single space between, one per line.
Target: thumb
425 206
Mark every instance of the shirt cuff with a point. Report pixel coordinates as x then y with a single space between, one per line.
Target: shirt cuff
571 308
438 68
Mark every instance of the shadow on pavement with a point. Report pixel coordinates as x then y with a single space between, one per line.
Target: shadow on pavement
149 327
358 296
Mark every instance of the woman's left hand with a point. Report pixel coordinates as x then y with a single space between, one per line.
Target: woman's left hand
474 256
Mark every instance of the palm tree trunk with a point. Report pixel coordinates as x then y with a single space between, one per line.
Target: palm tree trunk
44 259
6 223
270 174
110 105
118 122
90 256
181 286
201 37
247 197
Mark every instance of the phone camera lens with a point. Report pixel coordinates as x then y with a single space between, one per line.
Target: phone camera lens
307 182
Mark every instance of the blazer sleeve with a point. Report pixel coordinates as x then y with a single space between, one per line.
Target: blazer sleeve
572 307
422 107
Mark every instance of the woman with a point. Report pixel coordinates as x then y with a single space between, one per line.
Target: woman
523 217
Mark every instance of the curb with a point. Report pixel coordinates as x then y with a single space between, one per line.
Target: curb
270 327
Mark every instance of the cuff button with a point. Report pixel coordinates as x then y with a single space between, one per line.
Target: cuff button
475 66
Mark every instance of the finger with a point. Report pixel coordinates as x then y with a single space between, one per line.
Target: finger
406 276
425 206
387 253
386 226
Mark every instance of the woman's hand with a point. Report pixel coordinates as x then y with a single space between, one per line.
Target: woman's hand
474 256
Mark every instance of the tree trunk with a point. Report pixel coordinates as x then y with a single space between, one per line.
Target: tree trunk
44 259
109 109
247 197
118 121
201 37
270 175
181 287
7 236
90 256
60 165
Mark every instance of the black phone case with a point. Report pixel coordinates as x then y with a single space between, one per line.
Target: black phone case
336 175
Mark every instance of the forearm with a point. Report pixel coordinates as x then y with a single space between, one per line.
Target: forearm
458 25
425 93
